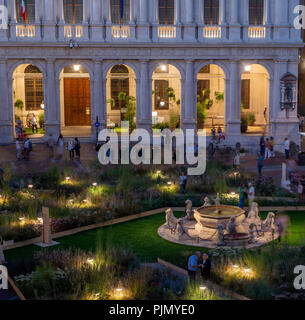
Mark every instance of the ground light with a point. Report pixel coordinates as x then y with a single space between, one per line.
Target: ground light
68 178
94 184
90 261
30 186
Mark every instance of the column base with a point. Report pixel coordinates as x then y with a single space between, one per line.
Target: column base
282 129
146 125
97 32
234 33
189 124
49 31
233 128
52 128
108 32
143 33
189 33
6 133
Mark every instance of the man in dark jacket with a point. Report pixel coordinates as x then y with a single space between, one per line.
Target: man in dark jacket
205 267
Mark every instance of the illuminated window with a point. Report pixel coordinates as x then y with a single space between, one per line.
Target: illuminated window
120 12
211 12
161 95
29 11
119 83
33 85
203 90
245 93
166 12
73 11
256 12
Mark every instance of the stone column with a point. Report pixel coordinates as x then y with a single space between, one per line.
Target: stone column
155 23
245 20
49 20
143 25
189 28
98 94
145 112
222 18
267 18
52 108
234 23
13 23
177 19
96 7
37 20
108 22
6 116
281 29
188 121
3 30
61 22
233 116
85 20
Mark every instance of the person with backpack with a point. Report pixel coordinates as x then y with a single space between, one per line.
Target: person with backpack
77 148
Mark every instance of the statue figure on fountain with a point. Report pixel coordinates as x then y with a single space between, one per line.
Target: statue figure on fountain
231 227
268 224
189 210
220 233
253 215
171 220
206 202
217 200
252 227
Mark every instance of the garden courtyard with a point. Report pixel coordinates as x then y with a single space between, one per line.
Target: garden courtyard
119 261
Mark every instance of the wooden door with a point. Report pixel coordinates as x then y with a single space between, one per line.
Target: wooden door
77 101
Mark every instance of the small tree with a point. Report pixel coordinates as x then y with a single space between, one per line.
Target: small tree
19 104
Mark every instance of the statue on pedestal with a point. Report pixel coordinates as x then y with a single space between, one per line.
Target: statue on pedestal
220 231
231 227
189 210
206 202
171 220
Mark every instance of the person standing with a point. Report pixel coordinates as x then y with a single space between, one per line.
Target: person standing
70 148
242 195
272 147
267 149
193 266
205 267
287 148
300 191
77 148
259 164
251 194
18 149
34 124
262 145
60 146
50 145
183 180
27 149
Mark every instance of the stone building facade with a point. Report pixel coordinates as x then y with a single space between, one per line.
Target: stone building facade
240 40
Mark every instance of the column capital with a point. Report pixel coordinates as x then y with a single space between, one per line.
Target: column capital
97 60
50 60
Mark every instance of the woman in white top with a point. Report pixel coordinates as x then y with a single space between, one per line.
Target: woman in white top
71 149
60 146
18 148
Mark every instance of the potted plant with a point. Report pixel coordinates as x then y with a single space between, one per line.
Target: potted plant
19 104
251 118
244 123
41 121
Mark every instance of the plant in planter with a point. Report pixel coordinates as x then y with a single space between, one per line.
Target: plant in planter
244 123
251 118
19 104
41 121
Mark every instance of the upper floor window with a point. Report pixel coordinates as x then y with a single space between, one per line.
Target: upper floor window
27 14
73 11
120 11
256 12
211 12
166 12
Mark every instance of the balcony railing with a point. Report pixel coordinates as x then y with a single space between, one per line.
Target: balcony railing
25 31
212 32
167 32
120 32
257 32
69 29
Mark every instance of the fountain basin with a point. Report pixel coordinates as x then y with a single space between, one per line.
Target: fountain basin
237 240
212 216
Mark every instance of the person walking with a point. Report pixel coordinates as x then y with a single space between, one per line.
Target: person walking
50 145
287 148
242 195
259 164
183 181
267 149
70 148
60 146
262 145
27 149
34 124
251 194
193 266
77 148
18 149
205 267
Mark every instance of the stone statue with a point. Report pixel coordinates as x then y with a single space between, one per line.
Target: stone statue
253 215
268 224
206 202
231 227
189 210
217 200
252 231
171 220
220 231
180 230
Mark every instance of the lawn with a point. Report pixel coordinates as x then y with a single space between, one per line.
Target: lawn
140 236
